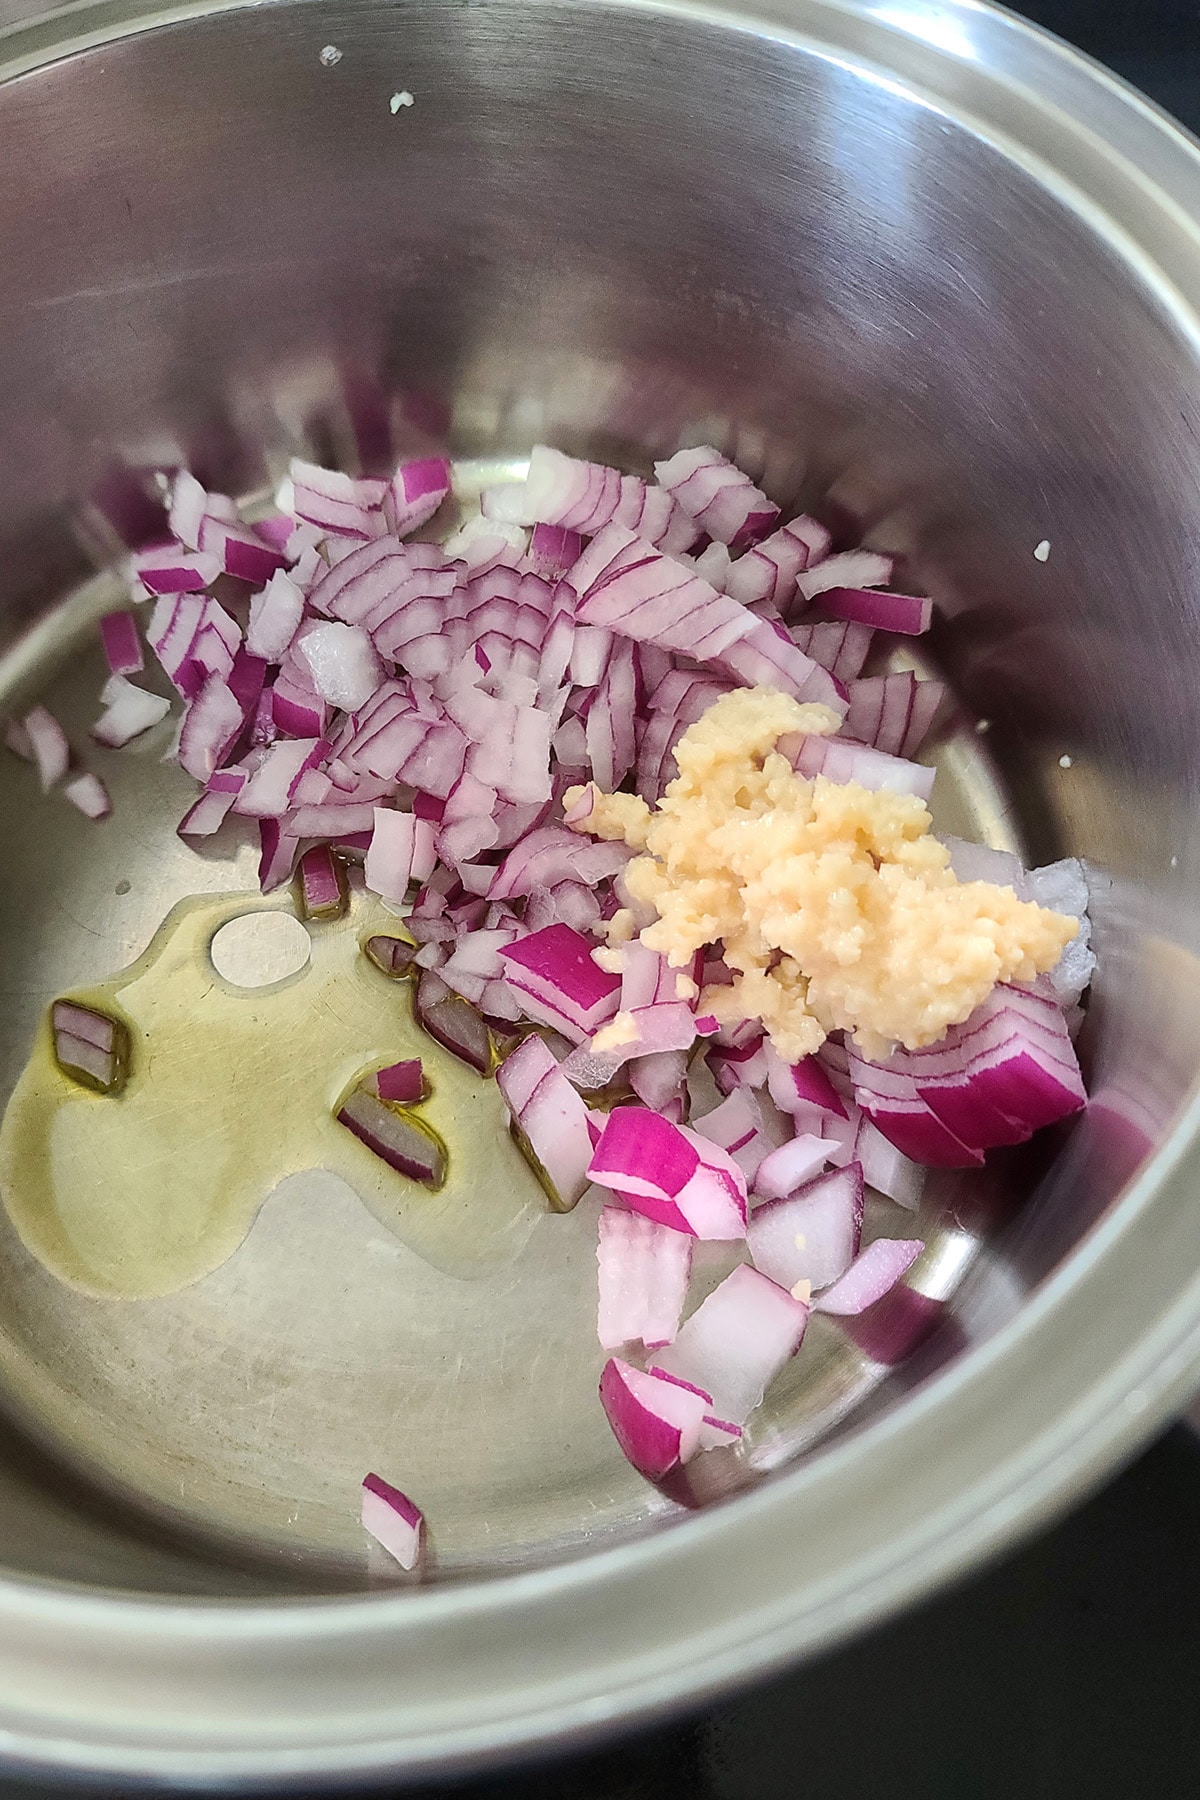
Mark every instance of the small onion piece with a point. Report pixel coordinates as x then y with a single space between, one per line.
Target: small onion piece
736 1342
670 1174
211 809
323 890
393 1520
403 1083
392 956
401 851
454 1023
556 983
643 1276
122 645
904 613
48 745
88 794
872 1274
90 1047
549 1120
813 1236
406 1144
723 501
655 1421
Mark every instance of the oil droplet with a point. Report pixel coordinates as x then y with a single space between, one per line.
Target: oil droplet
122 886
232 1089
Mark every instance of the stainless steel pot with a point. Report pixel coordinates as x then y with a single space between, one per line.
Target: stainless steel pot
911 261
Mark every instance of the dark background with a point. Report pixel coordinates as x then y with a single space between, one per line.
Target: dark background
1071 1671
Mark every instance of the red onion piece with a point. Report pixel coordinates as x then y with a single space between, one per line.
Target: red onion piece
556 983
406 1144
323 892
48 745
744 1126
838 645
416 491
550 1121
392 956
122 645
392 1520
849 569
736 1342
275 616
656 1422
401 851
670 1174
88 794
210 811
724 502
873 1273
90 1047
341 663
904 613
168 570
454 1024
402 1082
813 1236
788 1168
643 1276
841 762
770 570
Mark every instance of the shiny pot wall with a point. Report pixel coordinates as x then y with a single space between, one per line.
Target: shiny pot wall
914 265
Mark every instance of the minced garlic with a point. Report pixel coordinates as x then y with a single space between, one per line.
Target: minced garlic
835 906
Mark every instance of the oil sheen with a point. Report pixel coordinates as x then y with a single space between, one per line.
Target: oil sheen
230 1090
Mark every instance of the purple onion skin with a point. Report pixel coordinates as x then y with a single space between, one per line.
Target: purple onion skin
392 956
405 1144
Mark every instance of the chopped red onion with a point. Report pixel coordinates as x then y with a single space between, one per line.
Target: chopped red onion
342 663
48 745
770 570
655 1421
415 492
406 1144
401 851
671 1174
88 794
736 1342
89 1046
838 645
872 1274
168 570
848 569
724 502
323 892
553 549
122 645
211 808
893 713
745 1126
643 1273
549 1119
454 1023
402 1082
556 982
814 1235
275 616
785 1170
393 956
903 613
841 762
392 1520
